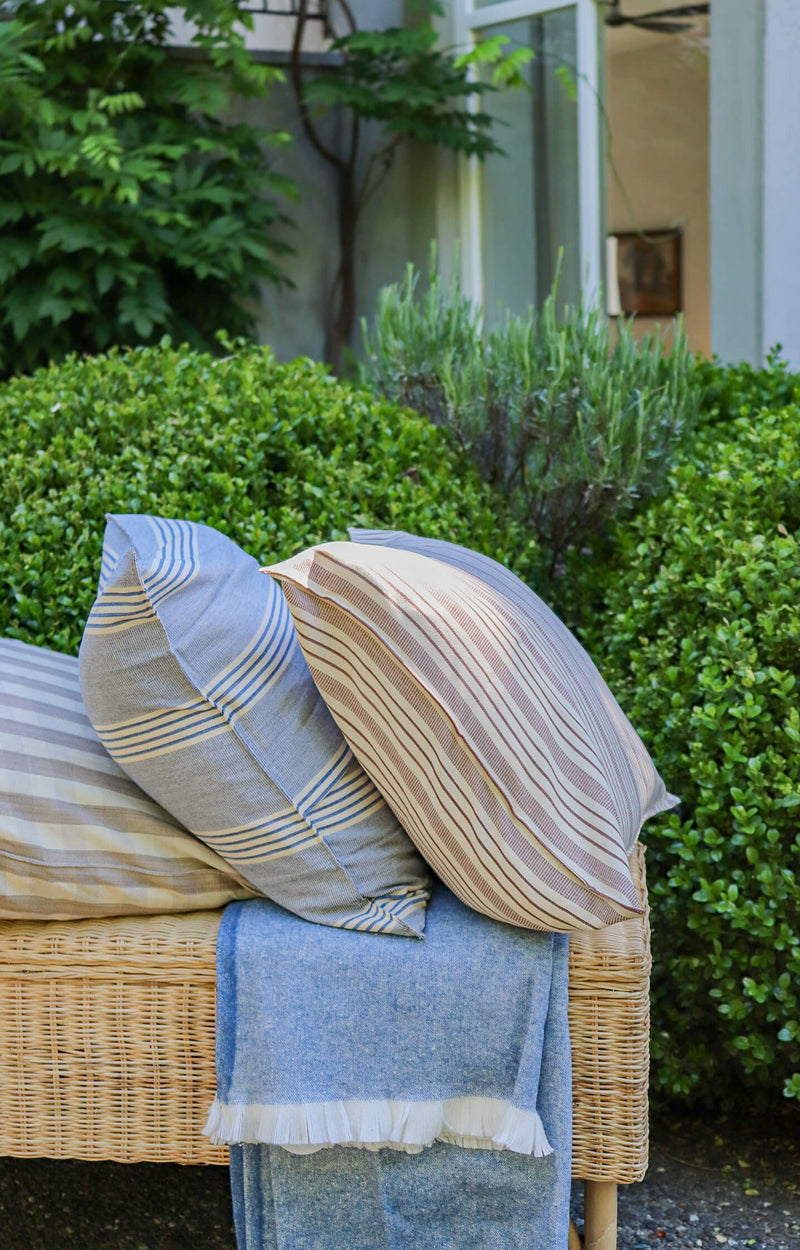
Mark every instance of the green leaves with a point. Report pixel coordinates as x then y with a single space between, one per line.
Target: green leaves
401 80
564 76
741 390
123 102
277 456
698 633
577 428
506 67
115 168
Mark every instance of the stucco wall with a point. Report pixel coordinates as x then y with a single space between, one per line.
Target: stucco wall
781 208
395 228
657 90
292 320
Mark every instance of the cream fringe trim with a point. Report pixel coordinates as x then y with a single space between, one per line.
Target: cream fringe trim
302 1128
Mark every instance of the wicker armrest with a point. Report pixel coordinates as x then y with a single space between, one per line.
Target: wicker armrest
609 1018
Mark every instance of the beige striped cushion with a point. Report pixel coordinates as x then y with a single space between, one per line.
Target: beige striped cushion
77 837
511 771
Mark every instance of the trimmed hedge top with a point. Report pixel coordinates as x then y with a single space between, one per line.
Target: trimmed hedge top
278 456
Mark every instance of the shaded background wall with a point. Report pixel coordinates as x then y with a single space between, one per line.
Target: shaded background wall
390 234
657 175
396 227
657 168
657 102
678 167
782 177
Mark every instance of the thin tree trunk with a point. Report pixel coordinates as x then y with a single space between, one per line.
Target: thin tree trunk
342 301
343 305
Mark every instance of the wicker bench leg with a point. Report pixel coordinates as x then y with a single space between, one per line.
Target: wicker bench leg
600 1215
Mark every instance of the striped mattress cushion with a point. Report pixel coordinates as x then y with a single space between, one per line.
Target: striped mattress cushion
194 681
77 837
486 727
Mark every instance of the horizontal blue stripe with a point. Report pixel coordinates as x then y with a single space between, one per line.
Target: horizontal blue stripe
137 754
359 780
98 622
330 803
348 811
161 729
262 854
260 837
258 674
177 564
396 914
342 760
378 918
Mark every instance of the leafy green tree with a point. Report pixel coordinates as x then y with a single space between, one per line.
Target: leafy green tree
128 206
412 90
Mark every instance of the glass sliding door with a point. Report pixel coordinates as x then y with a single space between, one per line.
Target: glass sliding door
542 200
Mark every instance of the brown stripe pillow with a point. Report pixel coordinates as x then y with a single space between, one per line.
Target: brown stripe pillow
510 769
77 837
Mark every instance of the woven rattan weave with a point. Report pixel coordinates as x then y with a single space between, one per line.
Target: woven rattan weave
107 1040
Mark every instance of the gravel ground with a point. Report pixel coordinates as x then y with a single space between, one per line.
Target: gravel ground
714 1183
710 1184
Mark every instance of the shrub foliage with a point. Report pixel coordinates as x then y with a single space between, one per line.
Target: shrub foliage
694 618
731 391
128 207
574 424
278 456
700 639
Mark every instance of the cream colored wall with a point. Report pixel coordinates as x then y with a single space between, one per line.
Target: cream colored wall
657 89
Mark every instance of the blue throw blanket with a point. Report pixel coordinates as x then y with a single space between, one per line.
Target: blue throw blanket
327 1037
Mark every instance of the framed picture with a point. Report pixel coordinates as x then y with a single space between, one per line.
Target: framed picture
644 273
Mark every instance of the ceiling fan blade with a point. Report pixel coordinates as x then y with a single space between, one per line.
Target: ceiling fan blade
613 15
682 10
660 28
648 21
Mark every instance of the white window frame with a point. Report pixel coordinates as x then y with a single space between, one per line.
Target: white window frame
469 22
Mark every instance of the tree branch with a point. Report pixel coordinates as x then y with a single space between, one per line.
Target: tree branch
385 158
348 12
355 124
311 133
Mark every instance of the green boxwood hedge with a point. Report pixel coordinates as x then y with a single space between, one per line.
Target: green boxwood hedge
278 456
695 620
731 391
700 640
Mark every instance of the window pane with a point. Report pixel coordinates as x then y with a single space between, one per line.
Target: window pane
529 198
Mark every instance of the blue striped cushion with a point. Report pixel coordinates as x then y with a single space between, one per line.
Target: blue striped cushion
194 681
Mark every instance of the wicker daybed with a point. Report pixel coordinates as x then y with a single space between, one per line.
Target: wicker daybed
107 1046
